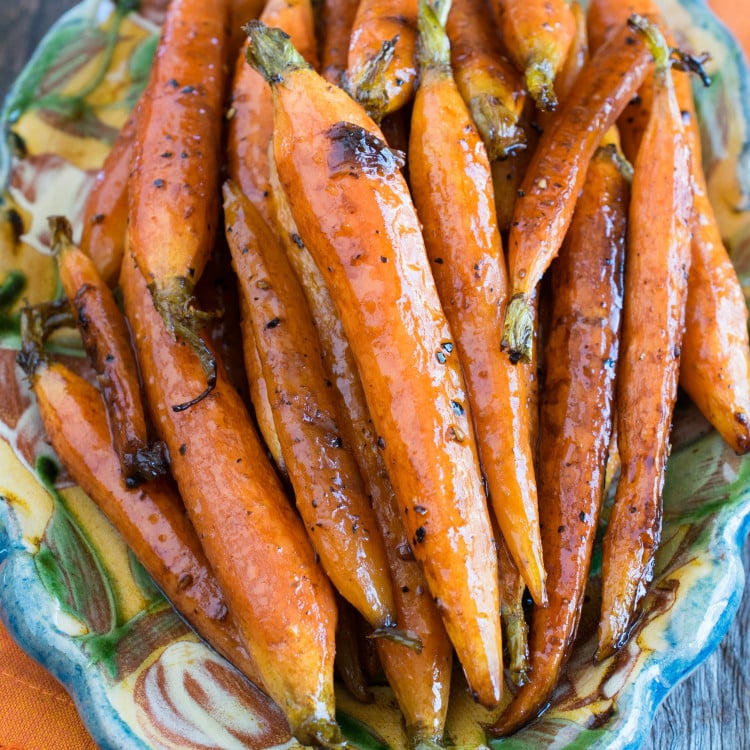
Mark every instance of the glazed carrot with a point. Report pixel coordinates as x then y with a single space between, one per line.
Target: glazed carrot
353 208
653 323
381 68
537 35
327 484
577 57
151 519
107 343
105 217
555 176
715 362
336 21
576 420
251 124
174 185
241 12
451 184
420 679
348 662
489 83
279 597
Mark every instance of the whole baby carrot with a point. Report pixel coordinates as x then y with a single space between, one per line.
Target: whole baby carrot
151 519
489 83
451 183
174 184
327 485
381 68
107 342
575 421
557 171
353 208
281 601
420 678
537 35
656 275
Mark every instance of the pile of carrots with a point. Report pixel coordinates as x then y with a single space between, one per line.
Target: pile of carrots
412 426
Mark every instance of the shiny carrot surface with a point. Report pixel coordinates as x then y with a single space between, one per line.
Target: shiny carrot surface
489 83
656 275
537 35
336 21
282 602
352 205
381 68
557 171
576 420
328 488
107 342
451 183
151 519
420 678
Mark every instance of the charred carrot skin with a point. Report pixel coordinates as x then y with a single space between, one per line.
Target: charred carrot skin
336 21
381 66
174 184
107 343
537 35
251 124
420 678
451 183
105 217
150 519
322 470
557 171
489 83
332 162
279 597
657 269
715 362
576 420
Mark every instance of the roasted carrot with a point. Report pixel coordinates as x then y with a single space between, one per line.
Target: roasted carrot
656 275
241 12
537 35
555 176
280 599
451 183
107 343
348 662
353 208
251 123
174 184
322 470
420 679
576 420
151 519
489 83
577 57
336 21
381 67
105 216
715 362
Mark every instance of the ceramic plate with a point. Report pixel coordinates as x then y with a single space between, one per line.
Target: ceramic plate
77 601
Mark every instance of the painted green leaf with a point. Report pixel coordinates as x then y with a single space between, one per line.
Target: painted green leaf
143 580
360 735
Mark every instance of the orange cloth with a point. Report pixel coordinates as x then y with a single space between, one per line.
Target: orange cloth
35 711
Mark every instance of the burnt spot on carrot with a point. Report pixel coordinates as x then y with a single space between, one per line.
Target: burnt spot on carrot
359 149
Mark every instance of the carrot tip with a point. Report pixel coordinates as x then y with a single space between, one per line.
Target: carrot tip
426 743
37 323
540 81
62 233
320 732
518 329
368 86
434 49
498 126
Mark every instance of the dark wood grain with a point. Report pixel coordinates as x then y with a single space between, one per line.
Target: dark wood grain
710 709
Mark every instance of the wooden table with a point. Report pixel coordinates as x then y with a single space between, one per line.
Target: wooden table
710 710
